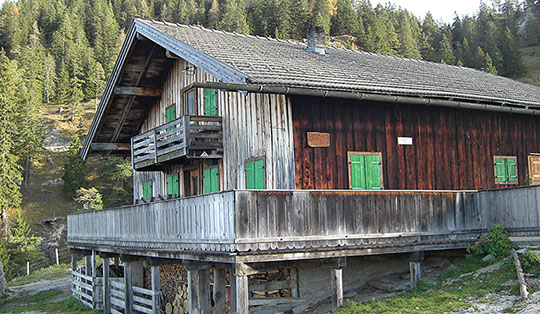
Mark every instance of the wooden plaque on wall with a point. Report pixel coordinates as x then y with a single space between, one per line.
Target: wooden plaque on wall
318 139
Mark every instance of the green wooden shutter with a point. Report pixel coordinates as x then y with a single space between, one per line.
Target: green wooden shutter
358 177
512 170
501 170
373 172
211 180
172 185
170 115
210 102
259 174
147 189
250 175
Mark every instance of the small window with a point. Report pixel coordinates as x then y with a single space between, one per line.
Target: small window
147 189
365 171
505 169
534 168
210 102
170 115
190 107
255 174
211 180
172 185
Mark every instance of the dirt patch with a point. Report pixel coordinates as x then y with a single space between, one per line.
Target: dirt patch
62 284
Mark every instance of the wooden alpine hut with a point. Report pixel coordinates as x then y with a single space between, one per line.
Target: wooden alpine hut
253 154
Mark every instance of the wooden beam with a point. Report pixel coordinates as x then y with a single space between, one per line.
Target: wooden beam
204 291
137 91
193 291
414 269
110 146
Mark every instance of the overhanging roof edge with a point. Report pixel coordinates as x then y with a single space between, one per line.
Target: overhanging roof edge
221 70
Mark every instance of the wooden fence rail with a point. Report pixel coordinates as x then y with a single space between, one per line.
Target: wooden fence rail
277 220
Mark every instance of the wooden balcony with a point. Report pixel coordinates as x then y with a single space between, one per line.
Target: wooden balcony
186 137
273 225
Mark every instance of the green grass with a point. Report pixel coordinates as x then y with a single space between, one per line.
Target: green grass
52 272
67 306
447 295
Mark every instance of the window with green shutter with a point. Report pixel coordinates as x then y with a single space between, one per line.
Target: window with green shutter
210 102
211 180
172 186
506 171
147 189
255 174
170 115
365 171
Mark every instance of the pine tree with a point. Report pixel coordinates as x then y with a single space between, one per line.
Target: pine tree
484 61
233 17
408 47
345 21
299 14
74 169
320 14
445 52
512 64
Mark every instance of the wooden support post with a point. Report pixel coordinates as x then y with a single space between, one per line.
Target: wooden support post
137 273
204 291
95 293
193 290
88 265
128 288
219 290
414 269
294 279
242 294
337 288
56 254
156 287
106 286
232 280
74 262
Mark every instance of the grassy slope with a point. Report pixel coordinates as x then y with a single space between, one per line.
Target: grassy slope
531 60
43 199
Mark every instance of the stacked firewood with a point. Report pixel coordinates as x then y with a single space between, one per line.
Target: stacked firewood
179 304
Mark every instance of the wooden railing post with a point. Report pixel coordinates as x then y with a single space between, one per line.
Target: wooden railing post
132 162
155 147
95 292
186 131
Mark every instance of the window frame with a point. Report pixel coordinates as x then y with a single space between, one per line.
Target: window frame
495 157
263 158
529 166
188 175
185 107
356 153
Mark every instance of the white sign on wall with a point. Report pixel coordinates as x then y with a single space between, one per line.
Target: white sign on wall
404 140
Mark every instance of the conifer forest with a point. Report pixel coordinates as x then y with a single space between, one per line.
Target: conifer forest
62 51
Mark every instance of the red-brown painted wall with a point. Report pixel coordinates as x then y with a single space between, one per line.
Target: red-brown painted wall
452 148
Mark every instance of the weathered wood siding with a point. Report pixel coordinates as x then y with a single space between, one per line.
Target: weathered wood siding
194 223
295 220
452 148
254 125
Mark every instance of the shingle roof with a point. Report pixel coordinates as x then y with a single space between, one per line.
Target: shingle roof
277 62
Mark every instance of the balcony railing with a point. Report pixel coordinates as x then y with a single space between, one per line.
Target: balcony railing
186 137
274 221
